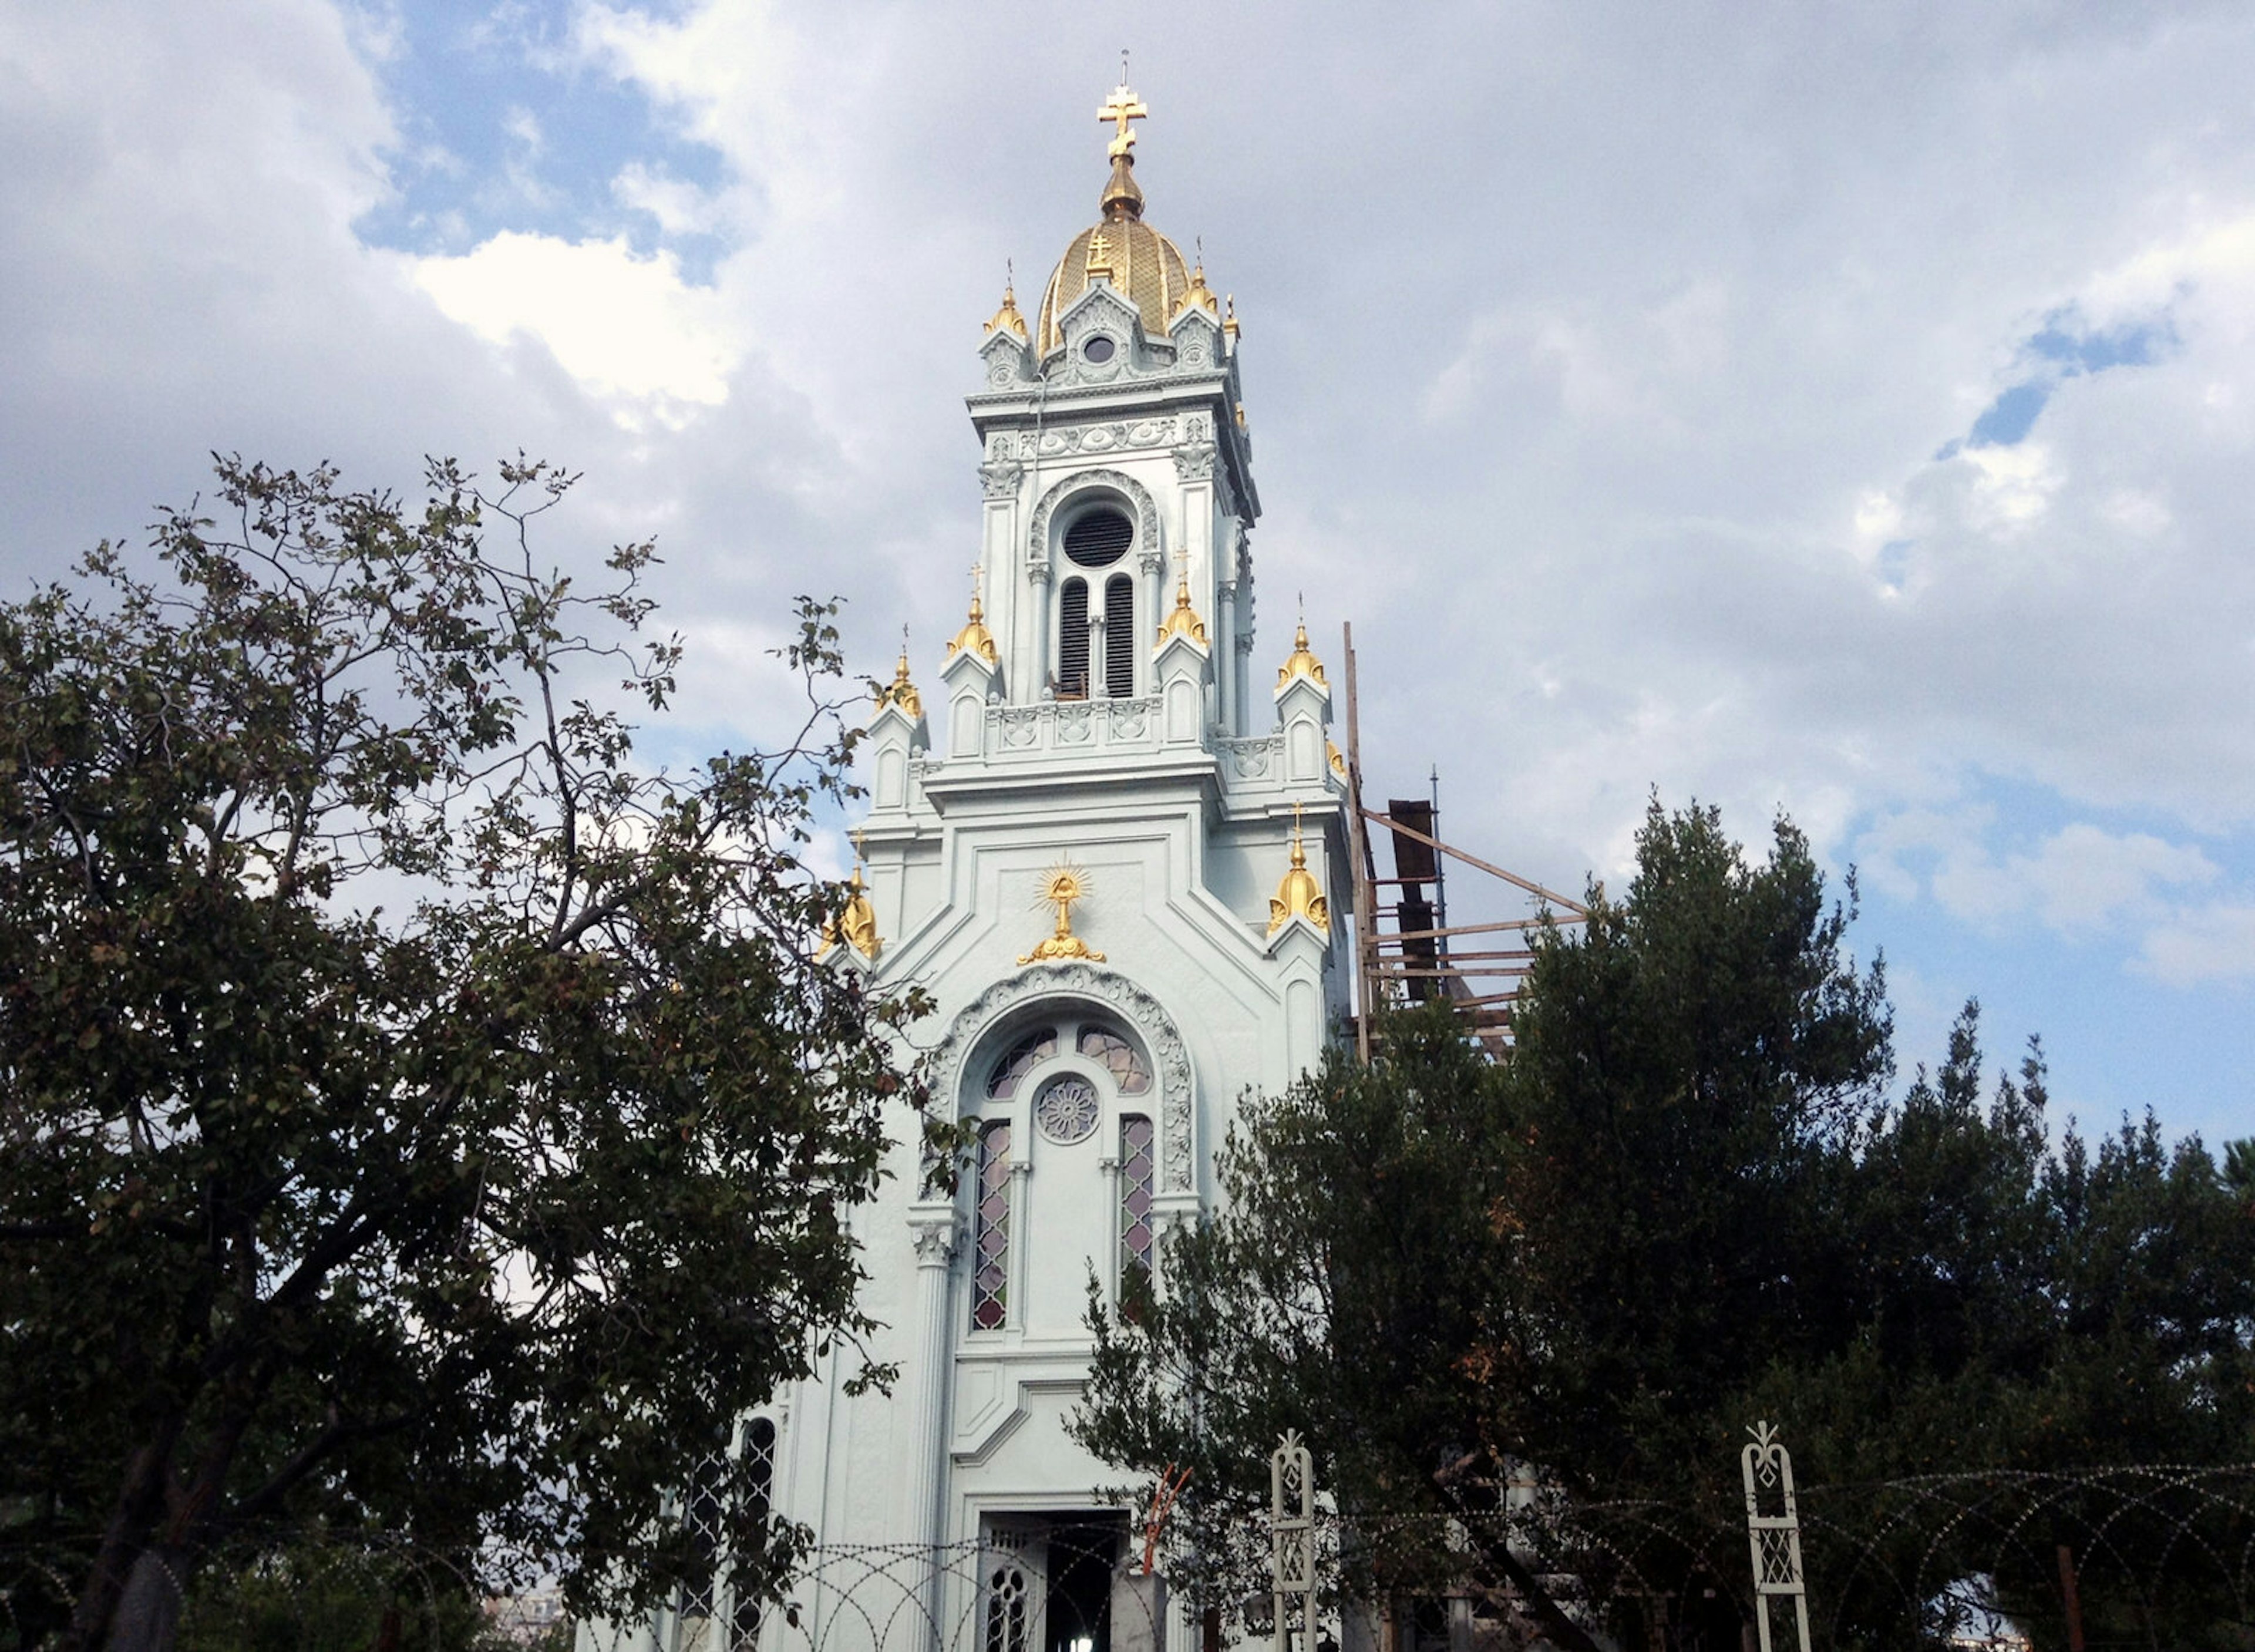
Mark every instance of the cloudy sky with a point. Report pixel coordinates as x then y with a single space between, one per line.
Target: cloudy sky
1845 409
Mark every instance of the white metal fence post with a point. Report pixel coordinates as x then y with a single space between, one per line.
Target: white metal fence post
1292 1540
1773 1531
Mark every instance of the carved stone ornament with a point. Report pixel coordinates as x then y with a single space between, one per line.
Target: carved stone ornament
1194 462
1000 479
1114 992
1252 757
935 1235
1146 512
1096 439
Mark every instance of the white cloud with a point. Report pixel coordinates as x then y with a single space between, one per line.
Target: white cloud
2215 944
680 208
2077 882
623 325
1596 372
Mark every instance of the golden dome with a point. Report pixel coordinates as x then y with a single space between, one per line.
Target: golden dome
1198 294
1007 320
1300 662
974 638
902 693
1183 620
1299 895
856 925
1144 266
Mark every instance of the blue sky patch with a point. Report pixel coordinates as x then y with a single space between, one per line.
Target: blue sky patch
2008 418
503 125
2062 348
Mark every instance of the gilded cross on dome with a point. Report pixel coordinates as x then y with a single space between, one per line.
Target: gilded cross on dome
1121 107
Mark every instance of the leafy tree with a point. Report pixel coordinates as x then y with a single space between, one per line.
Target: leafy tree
1684 1203
413 1115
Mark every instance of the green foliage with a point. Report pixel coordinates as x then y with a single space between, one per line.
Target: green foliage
413 1115
1685 1202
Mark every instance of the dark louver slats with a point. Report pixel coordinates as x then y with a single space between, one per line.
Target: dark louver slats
1120 638
1072 641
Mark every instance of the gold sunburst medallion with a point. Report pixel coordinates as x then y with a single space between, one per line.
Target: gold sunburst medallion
1062 886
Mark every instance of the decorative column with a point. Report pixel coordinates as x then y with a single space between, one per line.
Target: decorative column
933 1230
1150 612
1224 629
1039 645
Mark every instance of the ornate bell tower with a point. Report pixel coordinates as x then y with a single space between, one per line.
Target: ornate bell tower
1115 856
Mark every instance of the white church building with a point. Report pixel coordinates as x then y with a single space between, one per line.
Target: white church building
1108 836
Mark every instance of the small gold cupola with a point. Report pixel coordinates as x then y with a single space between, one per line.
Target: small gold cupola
1181 620
1198 294
1007 320
1299 895
856 924
974 638
1301 663
901 692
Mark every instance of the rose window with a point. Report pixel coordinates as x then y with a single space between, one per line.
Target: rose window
1067 1110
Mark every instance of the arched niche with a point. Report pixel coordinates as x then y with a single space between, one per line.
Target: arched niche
980 1027
1068 490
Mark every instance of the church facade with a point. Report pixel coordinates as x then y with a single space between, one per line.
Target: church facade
1108 836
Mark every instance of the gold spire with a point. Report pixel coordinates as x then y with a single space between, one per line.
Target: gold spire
902 693
974 638
1006 319
1062 885
856 924
1302 663
1197 292
1121 198
1299 895
1183 620
1338 759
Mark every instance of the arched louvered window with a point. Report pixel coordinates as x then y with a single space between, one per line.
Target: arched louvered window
1120 638
1100 538
990 1231
1072 640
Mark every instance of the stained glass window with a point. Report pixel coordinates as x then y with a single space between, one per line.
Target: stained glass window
1136 1180
1030 1050
717 1482
757 1474
1119 1058
990 1279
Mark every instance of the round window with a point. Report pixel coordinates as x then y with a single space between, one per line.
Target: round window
1067 1109
1098 349
1098 538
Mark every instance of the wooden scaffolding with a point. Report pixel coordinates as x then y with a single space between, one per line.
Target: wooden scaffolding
1406 951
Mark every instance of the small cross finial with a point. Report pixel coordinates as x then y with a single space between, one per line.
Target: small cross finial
1009 277
1121 107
